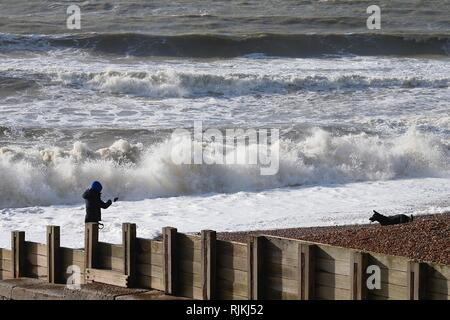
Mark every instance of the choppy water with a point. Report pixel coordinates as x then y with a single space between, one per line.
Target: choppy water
353 105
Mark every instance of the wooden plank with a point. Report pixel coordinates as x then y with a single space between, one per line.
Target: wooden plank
188 241
333 253
107 276
36 260
190 254
333 280
149 246
231 248
287 260
393 277
436 285
235 288
250 268
37 272
6 265
5 275
330 266
5 254
150 258
112 263
72 256
170 259
281 271
282 285
53 254
232 275
415 284
208 262
438 271
437 296
66 263
281 247
231 262
390 291
273 294
190 278
329 293
227 295
256 266
358 267
388 262
149 270
129 251
108 249
18 254
376 297
281 251
190 266
190 292
307 255
90 245
149 282
35 248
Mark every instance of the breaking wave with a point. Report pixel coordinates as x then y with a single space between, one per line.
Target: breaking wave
169 84
49 176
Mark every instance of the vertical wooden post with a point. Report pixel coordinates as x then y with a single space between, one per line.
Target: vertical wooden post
306 269
18 254
208 258
53 256
358 266
250 268
170 259
256 254
90 244
415 274
129 251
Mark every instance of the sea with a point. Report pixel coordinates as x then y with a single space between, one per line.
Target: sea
363 114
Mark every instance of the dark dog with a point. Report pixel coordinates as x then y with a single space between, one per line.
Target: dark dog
386 221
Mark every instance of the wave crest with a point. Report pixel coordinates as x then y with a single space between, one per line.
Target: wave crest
172 84
55 176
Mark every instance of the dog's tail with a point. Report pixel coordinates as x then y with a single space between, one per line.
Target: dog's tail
412 218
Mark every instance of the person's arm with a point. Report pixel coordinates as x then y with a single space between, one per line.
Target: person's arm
105 205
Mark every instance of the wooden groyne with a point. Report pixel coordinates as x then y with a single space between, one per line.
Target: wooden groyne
203 267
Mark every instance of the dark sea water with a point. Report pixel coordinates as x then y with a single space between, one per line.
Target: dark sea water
172 18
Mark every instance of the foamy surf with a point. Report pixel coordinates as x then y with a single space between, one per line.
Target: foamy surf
56 176
279 208
172 84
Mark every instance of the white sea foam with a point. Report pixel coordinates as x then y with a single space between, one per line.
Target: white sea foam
172 84
55 176
279 208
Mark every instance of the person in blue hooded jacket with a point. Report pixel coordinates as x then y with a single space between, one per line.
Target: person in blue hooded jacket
94 203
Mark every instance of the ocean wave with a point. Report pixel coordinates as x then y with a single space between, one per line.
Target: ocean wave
207 46
11 84
171 84
56 176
